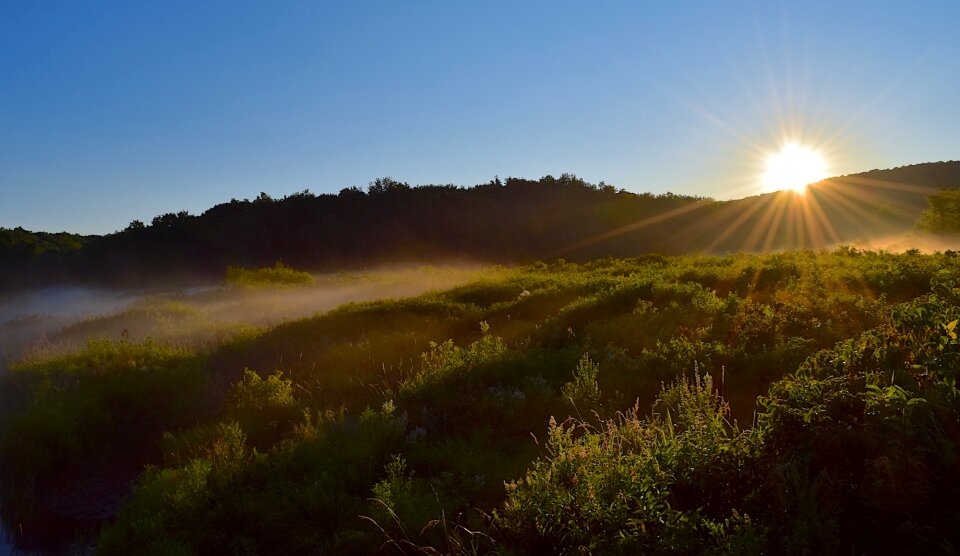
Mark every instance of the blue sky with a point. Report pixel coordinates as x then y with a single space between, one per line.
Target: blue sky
114 111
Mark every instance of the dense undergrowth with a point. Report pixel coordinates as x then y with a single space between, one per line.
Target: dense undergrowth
277 275
406 424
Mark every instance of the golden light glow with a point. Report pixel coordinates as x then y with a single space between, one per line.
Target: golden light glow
794 151
793 168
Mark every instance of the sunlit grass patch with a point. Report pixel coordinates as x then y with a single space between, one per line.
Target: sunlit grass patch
277 275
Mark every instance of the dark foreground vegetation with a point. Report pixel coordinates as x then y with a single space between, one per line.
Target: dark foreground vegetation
506 222
609 408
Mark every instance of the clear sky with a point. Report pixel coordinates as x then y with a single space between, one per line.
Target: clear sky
114 111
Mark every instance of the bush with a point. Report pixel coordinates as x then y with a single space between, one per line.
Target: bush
943 214
265 408
277 275
108 399
664 484
583 391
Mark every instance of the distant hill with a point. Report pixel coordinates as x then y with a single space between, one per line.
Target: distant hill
854 208
510 221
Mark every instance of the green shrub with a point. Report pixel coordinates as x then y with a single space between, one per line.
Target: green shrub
943 214
665 484
253 393
265 408
110 398
218 441
583 391
277 275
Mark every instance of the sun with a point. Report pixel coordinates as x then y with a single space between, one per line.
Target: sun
793 168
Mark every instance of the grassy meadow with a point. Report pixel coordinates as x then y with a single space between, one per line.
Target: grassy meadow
791 403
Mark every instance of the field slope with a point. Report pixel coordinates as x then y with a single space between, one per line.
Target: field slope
606 407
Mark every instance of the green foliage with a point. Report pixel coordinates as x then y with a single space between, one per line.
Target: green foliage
943 214
112 397
405 412
265 408
303 495
584 390
398 501
174 496
855 453
278 275
656 485
861 442
257 394
445 358
30 257
218 441
19 245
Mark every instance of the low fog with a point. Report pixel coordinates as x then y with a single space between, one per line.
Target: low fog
58 320
29 317
925 243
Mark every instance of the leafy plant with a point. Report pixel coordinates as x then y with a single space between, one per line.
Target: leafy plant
277 275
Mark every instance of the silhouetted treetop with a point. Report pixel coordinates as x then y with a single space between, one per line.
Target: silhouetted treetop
502 221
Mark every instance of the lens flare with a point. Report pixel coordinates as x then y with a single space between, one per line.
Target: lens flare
793 168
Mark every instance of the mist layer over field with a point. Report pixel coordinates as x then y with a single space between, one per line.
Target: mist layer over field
58 320
901 243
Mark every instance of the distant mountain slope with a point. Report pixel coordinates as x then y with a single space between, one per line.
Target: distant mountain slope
515 220
853 208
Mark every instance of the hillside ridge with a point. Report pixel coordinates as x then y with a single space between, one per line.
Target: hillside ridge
511 221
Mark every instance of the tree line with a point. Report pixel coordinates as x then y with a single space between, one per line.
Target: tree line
502 221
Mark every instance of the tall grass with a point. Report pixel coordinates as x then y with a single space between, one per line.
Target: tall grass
415 412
